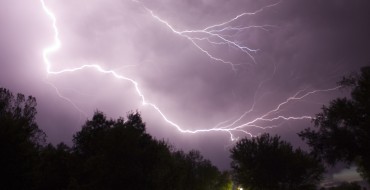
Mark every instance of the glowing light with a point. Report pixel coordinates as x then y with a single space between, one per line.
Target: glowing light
212 34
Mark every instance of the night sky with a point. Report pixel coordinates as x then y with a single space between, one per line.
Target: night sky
203 64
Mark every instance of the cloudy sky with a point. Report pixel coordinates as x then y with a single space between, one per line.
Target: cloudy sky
208 70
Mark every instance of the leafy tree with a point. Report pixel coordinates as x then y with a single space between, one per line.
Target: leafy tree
224 181
118 154
267 162
20 140
203 174
54 170
191 171
106 154
342 129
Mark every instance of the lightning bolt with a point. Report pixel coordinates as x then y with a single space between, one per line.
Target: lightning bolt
214 34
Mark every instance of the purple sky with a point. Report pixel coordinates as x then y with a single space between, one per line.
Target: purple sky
197 79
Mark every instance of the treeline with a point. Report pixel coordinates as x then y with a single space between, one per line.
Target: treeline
106 154
341 133
120 154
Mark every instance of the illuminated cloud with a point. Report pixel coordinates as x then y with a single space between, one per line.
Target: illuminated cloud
348 175
207 65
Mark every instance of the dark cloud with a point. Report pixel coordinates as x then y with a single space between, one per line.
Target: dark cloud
309 45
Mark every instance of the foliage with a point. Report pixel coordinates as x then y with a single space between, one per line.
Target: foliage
224 181
192 171
342 129
119 154
20 140
19 113
54 170
267 162
106 154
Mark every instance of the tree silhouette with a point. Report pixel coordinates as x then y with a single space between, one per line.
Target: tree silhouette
267 162
54 170
192 171
106 154
118 154
342 130
20 140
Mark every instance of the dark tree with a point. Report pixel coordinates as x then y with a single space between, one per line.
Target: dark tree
20 140
106 154
224 181
342 129
54 170
191 171
118 154
266 162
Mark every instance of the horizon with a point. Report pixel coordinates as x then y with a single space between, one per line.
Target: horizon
201 73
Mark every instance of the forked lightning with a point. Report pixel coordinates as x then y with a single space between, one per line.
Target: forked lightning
213 34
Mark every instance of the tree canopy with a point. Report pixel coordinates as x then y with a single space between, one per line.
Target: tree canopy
119 154
342 130
106 154
20 140
266 162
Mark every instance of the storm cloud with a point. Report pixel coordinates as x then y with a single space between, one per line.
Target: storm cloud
306 45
